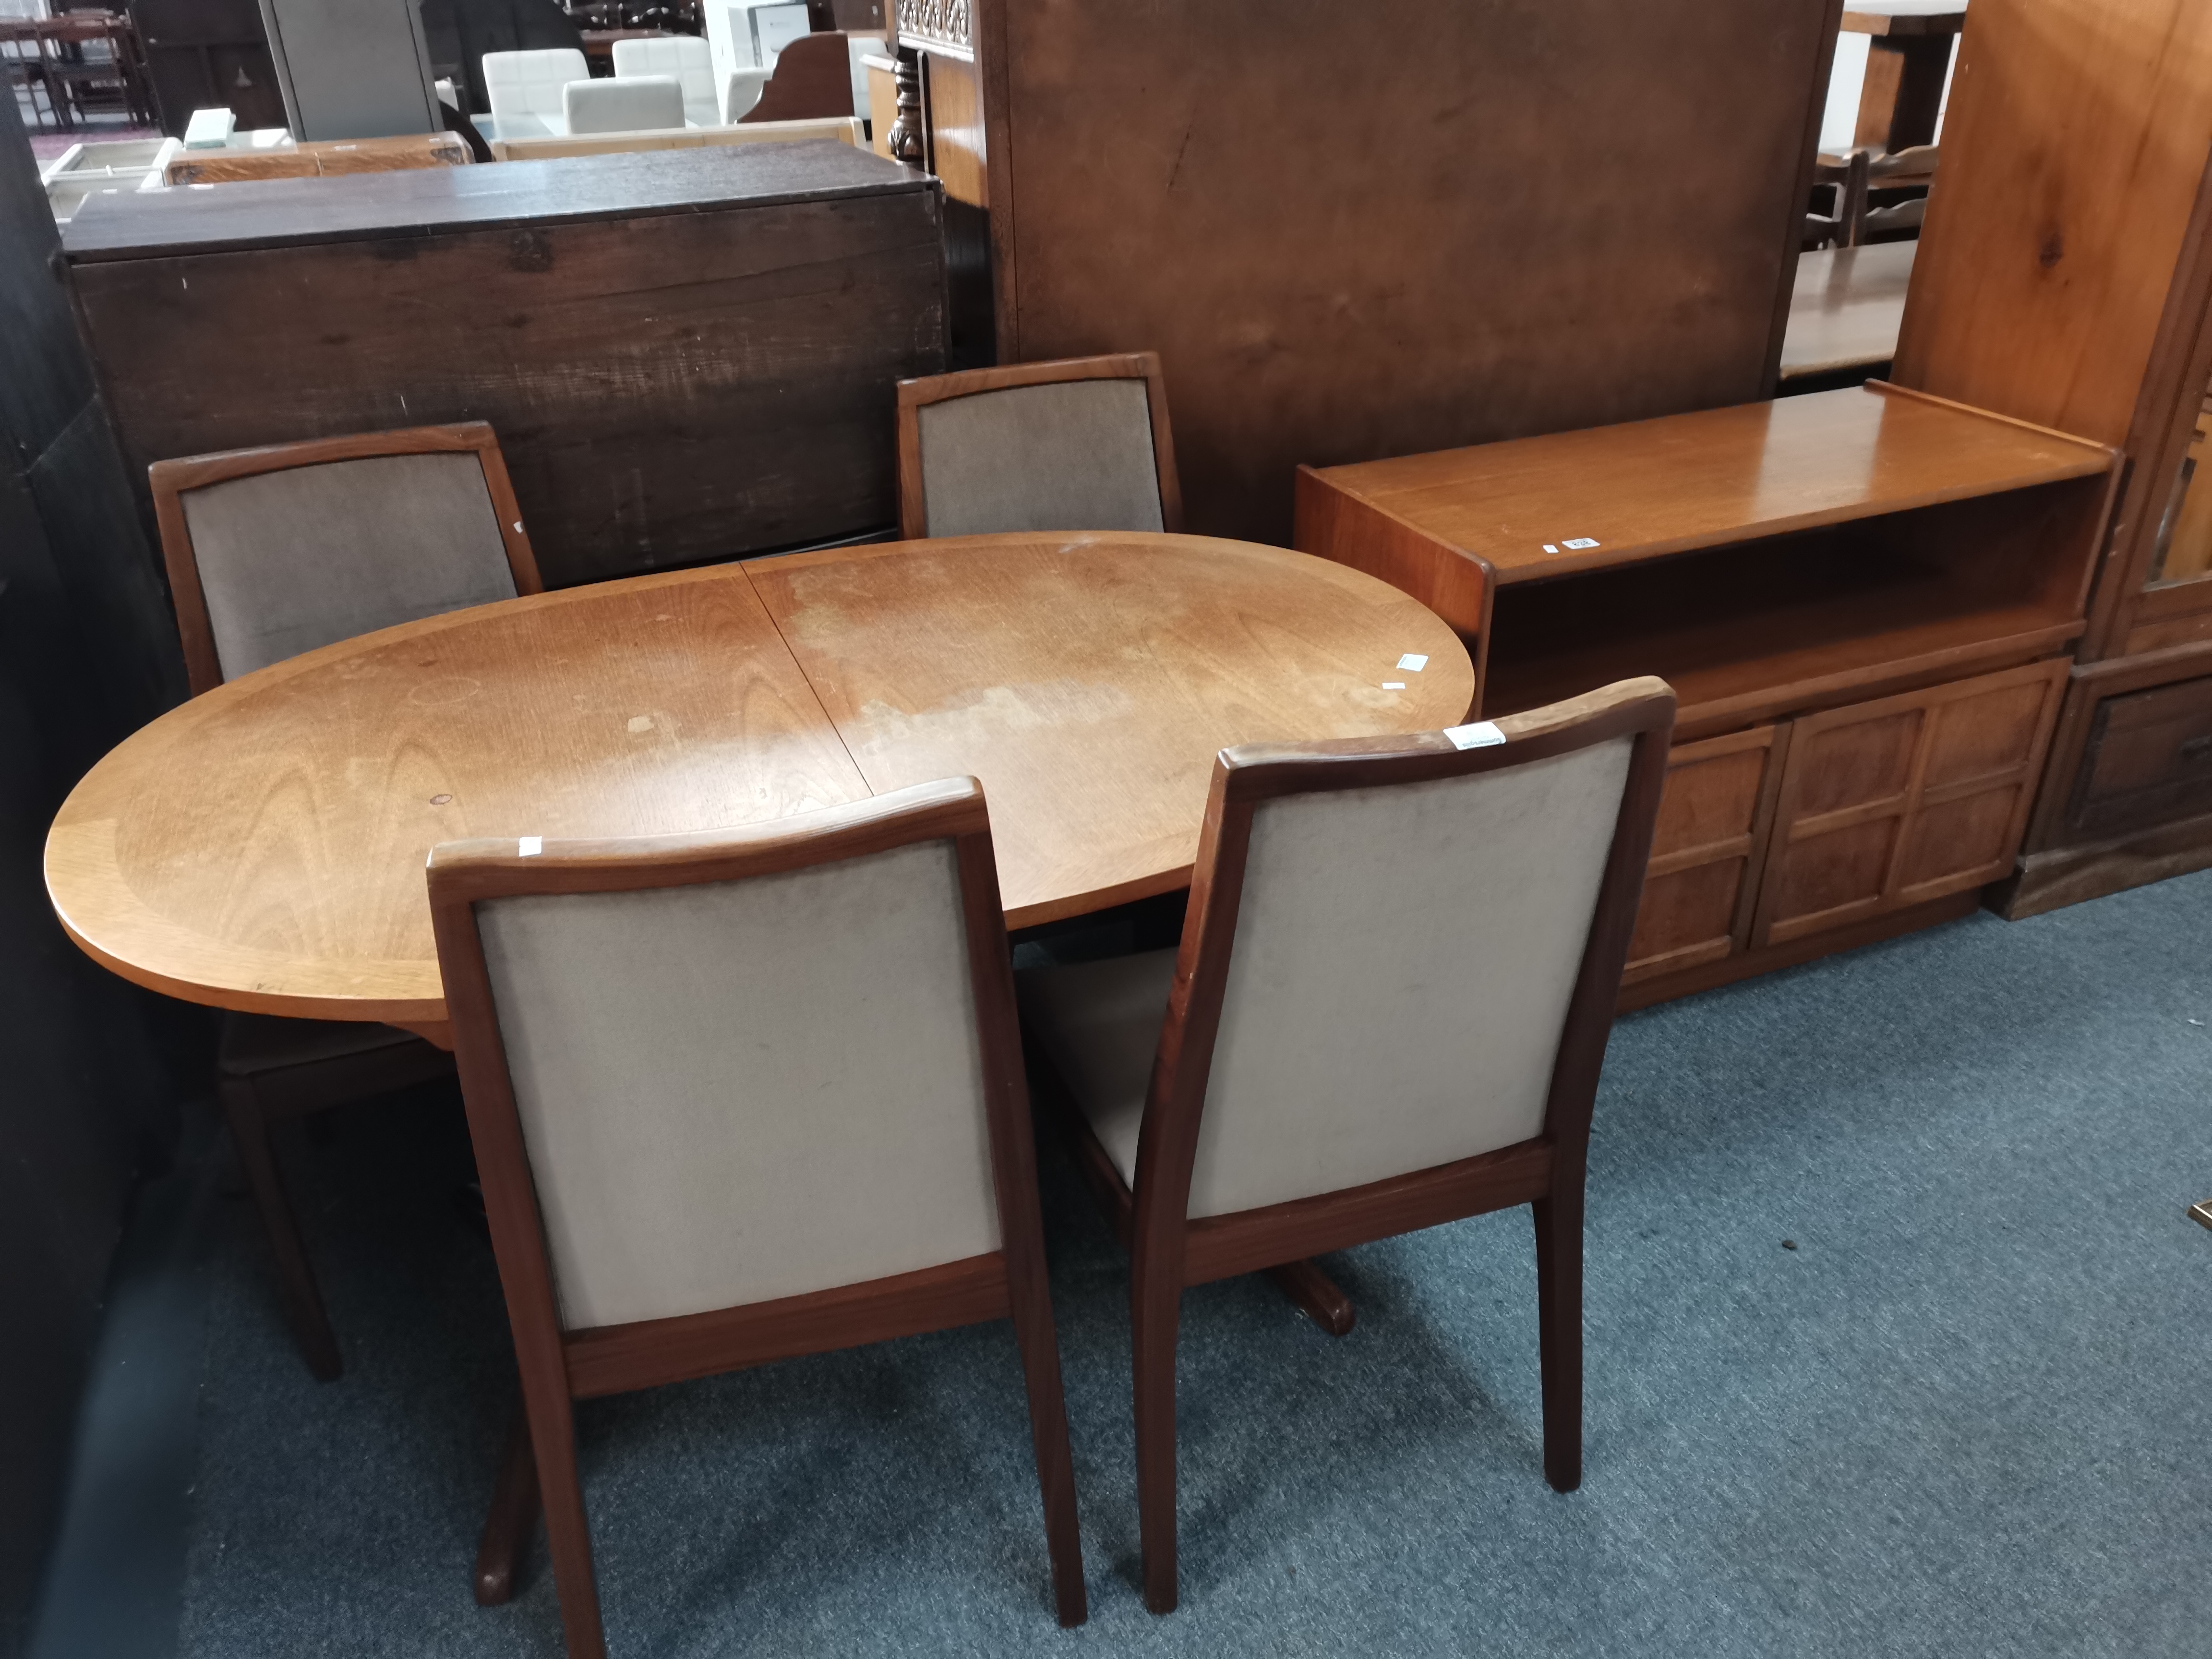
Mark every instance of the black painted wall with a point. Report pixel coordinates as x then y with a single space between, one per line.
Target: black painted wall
87 654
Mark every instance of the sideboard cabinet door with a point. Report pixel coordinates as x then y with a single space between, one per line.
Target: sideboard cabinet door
1891 804
1707 851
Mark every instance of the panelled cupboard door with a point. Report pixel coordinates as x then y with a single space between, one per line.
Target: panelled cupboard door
1708 851
1890 803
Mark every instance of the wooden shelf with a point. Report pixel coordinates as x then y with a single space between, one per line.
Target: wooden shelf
1681 483
1734 669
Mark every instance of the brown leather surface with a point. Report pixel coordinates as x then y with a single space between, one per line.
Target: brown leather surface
1376 230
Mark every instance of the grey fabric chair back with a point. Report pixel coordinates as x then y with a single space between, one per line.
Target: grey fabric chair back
749 1089
1402 964
302 557
1070 455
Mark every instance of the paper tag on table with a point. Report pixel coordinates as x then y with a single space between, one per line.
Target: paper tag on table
1483 734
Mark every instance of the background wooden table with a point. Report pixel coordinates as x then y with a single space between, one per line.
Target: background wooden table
1908 56
1845 308
261 848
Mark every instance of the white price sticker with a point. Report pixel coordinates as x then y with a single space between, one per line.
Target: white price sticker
1414 661
1483 734
1579 543
531 846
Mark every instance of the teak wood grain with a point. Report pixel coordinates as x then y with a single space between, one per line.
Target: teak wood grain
1845 308
261 848
1413 227
1683 482
2075 143
1088 681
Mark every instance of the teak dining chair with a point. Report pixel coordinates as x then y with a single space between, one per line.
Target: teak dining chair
739 1097
276 551
1389 1011
1081 443
273 551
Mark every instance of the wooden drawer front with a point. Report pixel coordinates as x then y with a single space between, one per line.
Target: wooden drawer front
1707 851
1891 804
2149 760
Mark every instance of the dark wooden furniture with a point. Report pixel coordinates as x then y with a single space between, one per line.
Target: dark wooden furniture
1378 232
737 402
1150 1213
564 1357
1864 598
914 396
813 78
270 1069
208 54
1908 56
2092 313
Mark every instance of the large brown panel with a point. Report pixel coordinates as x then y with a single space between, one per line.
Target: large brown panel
1410 224
1890 805
1707 850
2074 148
691 377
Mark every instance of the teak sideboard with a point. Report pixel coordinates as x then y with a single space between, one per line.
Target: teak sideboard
1864 598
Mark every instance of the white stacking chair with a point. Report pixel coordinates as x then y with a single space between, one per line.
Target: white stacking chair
1389 1011
644 103
738 1096
524 89
686 57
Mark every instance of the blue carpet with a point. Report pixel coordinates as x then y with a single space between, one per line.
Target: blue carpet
1967 1413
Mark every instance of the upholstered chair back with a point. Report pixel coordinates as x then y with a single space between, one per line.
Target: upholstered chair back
1072 455
747 1090
687 58
530 83
1399 982
644 103
292 559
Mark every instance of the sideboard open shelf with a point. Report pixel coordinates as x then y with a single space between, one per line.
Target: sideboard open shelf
1862 598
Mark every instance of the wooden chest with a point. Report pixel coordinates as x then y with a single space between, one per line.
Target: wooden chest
687 355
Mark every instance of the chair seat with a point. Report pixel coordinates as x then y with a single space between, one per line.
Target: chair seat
254 1043
1100 1021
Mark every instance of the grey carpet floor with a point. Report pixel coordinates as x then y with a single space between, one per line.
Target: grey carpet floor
1967 1413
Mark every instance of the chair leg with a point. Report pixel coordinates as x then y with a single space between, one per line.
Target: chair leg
1559 1332
1040 1348
511 1519
296 1277
553 1443
1156 1311
1316 1295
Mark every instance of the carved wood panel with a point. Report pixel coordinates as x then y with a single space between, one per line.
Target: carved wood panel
1890 803
1707 851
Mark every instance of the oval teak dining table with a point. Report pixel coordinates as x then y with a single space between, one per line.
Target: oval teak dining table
261 848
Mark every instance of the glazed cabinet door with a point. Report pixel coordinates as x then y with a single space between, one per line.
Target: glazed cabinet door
1891 804
1707 851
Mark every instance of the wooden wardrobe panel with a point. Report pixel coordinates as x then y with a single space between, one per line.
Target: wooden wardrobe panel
1891 804
1353 232
2074 148
1707 851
